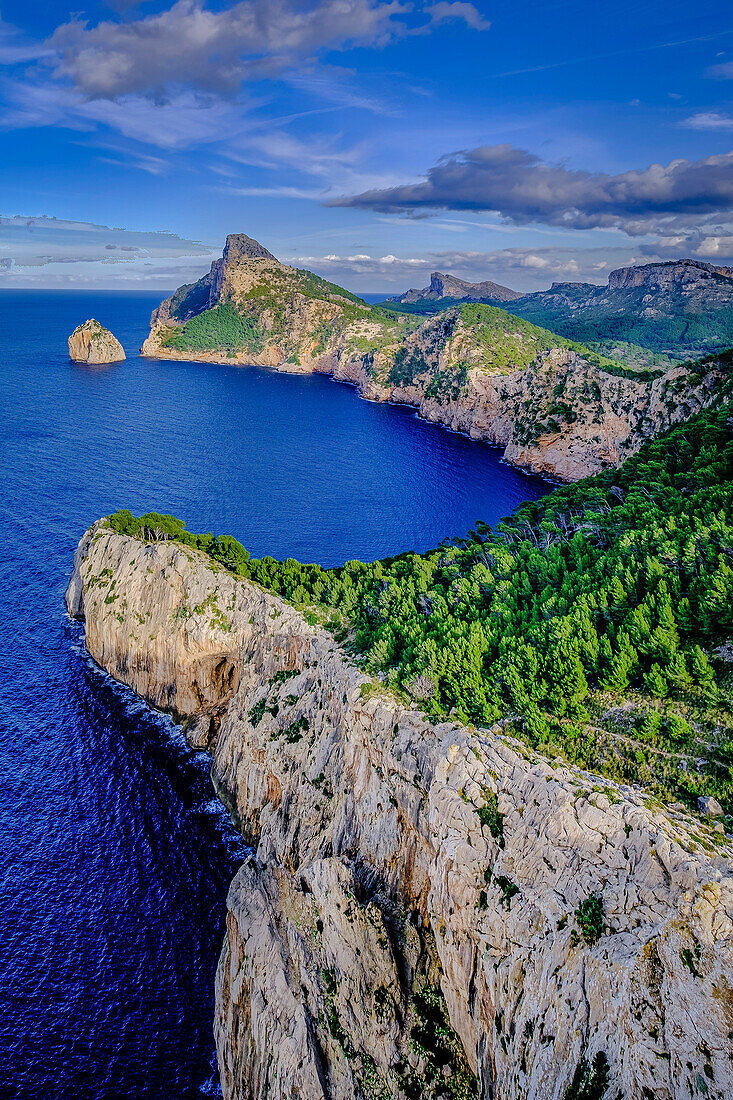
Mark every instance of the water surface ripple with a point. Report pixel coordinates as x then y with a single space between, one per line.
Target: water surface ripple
115 855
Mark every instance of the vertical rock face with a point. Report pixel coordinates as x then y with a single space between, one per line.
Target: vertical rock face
93 343
407 925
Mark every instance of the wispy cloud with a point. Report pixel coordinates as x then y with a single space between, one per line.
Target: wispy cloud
45 251
709 120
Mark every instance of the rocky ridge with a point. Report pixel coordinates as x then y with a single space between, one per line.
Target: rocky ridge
417 908
555 408
681 307
93 343
450 286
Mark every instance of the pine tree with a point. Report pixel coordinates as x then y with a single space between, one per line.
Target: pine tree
622 669
656 682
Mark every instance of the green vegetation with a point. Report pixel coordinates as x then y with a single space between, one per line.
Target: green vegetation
504 341
591 620
683 334
222 328
154 527
590 1079
313 286
589 916
490 817
633 355
435 1040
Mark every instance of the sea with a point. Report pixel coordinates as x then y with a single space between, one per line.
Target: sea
115 855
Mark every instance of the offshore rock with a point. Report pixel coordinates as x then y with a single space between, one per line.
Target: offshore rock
407 918
93 343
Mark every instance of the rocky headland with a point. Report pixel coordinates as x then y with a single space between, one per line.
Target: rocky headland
93 343
431 910
555 407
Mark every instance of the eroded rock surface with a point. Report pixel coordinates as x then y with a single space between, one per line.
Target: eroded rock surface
93 343
406 873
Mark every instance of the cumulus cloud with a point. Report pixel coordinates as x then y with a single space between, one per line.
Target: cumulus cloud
188 75
522 188
523 269
214 51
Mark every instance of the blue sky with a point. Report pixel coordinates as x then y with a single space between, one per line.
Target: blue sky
371 140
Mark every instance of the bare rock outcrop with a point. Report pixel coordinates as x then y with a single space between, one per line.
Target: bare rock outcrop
450 286
93 343
407 924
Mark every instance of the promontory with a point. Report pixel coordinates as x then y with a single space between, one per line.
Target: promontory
93 343
485 788
554 406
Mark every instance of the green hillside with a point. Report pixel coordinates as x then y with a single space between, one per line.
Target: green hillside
591 621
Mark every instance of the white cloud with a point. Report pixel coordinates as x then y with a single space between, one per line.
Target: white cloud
215 51
445 12
709 120
523 189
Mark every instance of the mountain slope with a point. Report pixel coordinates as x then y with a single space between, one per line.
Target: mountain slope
649 315
556 407
681 308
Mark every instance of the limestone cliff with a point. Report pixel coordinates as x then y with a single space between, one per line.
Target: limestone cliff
554 407
409 916
93 343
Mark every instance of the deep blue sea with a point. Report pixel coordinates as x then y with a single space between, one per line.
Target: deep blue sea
115 855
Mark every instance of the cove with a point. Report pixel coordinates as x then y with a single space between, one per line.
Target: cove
115 857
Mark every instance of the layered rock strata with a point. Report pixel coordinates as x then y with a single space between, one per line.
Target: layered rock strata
408 925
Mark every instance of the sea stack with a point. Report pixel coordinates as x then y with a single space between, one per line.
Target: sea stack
93 343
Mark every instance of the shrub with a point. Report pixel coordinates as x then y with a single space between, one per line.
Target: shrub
589 916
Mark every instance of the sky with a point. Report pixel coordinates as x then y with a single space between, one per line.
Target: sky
373 141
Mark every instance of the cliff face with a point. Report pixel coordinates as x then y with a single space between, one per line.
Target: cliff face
561 415
93 343
407 874
287 318
554 409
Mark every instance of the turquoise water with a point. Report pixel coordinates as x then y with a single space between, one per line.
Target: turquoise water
115 855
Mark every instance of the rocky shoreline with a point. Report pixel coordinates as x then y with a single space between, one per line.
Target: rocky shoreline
555 409
409 925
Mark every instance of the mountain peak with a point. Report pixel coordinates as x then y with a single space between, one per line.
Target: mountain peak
241 247
450 286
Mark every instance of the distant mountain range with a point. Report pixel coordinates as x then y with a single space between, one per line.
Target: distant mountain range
458 290
646 314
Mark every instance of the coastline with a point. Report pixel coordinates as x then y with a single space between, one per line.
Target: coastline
356 827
